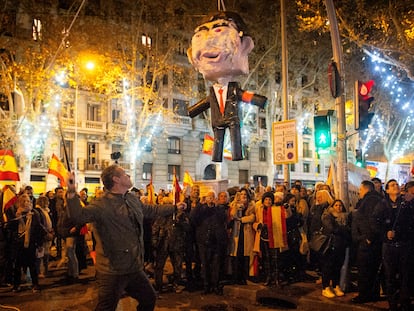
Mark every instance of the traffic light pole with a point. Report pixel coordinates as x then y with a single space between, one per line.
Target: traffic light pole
342 169
286 171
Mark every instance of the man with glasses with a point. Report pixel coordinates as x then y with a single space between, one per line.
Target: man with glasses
117 218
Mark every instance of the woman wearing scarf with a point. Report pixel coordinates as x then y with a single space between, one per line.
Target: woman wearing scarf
271 234
242 236
30 238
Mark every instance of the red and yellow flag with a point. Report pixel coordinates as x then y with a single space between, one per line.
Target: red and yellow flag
176 190
208 144
9 198
57 168
187 180
8 166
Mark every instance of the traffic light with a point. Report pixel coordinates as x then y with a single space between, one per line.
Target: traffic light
359 161
322 128
362 104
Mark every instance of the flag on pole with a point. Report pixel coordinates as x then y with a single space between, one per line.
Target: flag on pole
8 166
57 168
227 154
9 198
208 144
176 189
187 180
151 192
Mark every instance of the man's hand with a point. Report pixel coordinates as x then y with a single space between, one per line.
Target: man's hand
181 205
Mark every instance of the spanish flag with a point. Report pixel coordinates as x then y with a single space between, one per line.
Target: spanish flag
57 168
9 198
187 180
208 144
227 154
176 190
8 166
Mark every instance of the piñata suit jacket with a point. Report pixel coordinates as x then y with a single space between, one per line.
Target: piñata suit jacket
230 119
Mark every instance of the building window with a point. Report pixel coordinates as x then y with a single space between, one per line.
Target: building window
173 169
279 169
145 144
292 167
93 113
69 151
306 167
318 169
165 103
307 153
146 40
147 171
180 107
37 29
243 177
174 145
92 156
68 110
116 153
262 123
116 116
262 154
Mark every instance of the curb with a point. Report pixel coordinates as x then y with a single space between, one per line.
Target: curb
305 298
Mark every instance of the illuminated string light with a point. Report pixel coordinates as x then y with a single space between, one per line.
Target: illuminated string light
396 133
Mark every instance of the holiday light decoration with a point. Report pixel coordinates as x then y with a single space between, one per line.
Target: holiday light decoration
393 124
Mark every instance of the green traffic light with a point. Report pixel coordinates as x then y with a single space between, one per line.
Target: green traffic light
322 132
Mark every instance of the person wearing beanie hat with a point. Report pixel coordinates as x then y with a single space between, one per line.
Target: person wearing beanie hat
268 195
271 235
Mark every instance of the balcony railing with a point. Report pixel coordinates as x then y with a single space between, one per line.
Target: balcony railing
84 125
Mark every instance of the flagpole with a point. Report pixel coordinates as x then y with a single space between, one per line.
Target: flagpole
64 145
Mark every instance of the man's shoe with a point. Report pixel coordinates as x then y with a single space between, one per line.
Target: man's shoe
338 291
16 289
36 289
327 292
359 299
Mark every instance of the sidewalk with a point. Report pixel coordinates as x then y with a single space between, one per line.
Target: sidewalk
57 295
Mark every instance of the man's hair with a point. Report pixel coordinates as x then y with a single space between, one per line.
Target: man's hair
367 184
231 17
42 200
107 176
388 182
58 188
409 185
376 179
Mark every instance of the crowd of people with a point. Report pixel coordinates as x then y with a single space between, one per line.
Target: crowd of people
263 235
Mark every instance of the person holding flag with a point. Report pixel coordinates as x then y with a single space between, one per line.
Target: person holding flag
8 199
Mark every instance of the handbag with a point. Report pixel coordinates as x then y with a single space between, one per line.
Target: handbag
320 242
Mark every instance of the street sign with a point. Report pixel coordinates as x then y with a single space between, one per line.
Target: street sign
285 142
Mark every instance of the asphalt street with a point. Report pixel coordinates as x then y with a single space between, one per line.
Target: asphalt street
58 295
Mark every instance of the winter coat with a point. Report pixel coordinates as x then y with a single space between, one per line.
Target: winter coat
246 222
118 228
210 225
366 221
336 225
